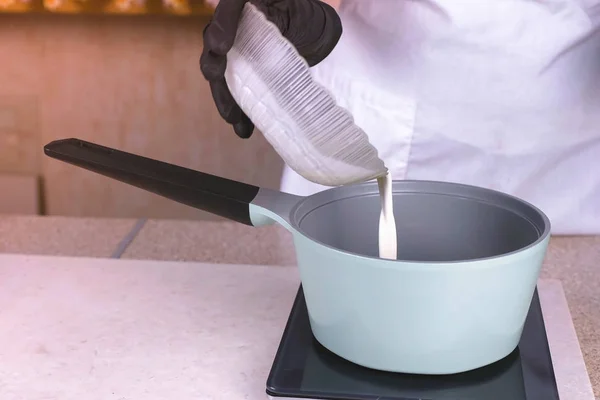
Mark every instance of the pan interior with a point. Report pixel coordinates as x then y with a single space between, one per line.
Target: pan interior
437 225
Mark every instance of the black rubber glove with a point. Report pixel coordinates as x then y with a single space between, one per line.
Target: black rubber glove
312 26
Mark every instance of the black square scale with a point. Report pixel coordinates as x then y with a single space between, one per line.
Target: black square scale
303 369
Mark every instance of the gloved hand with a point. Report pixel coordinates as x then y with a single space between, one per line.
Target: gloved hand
312 26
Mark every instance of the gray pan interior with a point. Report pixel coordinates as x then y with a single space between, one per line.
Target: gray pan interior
436 221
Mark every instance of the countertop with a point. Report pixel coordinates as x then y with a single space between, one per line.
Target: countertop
572 260
105 328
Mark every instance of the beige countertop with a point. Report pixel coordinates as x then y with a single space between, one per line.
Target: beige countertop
106 328
572 260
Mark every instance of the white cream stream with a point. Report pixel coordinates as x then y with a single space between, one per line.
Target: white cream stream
388 245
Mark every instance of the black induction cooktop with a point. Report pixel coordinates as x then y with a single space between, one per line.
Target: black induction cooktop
303 369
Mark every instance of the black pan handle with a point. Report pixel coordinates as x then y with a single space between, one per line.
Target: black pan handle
226 198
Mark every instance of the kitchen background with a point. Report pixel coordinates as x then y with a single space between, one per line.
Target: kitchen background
126 81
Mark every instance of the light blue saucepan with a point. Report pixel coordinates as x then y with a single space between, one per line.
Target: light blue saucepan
455 300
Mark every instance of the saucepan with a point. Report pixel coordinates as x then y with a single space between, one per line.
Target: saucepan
456 298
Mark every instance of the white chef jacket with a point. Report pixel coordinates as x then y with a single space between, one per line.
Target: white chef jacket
502 94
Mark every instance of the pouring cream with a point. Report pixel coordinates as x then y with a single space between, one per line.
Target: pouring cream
388 245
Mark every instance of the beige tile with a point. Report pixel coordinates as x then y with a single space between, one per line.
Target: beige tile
19 134
218 242
19 194
63 236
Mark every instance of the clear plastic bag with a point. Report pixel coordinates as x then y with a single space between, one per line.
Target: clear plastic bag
273 85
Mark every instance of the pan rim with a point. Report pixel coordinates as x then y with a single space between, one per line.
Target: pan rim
297 214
